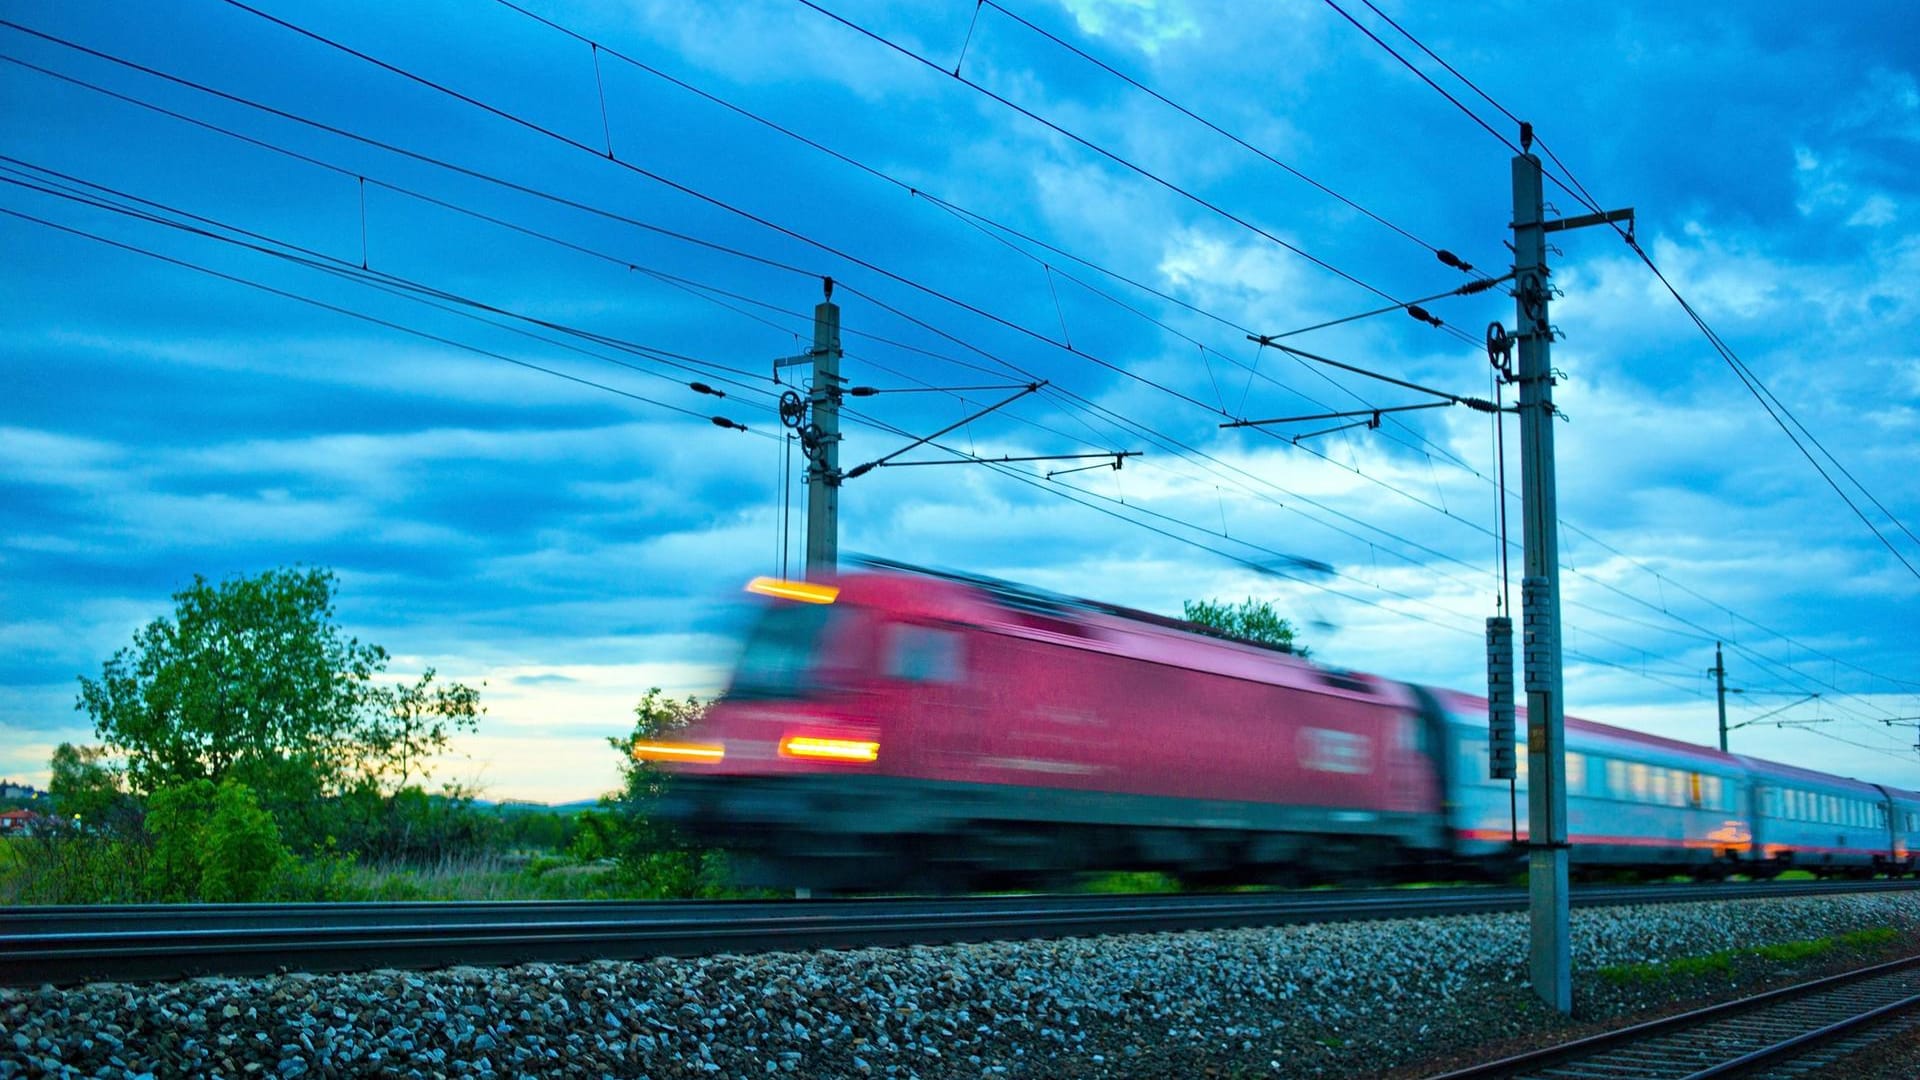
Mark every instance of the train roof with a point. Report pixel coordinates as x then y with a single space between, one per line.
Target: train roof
1099 627
1092 624
1761 767
1468 704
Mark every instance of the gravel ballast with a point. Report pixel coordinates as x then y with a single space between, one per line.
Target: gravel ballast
1344 999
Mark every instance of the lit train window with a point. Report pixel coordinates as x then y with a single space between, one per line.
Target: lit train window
1328 750
1617 779
1639 780
924 654
1656 785
1693 789
1712 791
1576 774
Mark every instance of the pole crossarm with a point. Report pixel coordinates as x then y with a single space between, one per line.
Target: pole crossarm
1477 404
1374 413
1762 718
1115 455
870 391
862 470
1605 217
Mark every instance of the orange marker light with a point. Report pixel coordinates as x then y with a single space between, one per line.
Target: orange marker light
807 746
806 592
700 753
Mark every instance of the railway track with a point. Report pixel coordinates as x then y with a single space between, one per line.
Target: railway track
1796 1030
64 945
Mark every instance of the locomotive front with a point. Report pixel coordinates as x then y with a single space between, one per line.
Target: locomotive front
804 767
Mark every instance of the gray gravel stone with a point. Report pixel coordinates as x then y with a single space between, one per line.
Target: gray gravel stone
1330 1000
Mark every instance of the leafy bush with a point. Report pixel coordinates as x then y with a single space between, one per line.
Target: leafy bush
212 843
176 818
243 854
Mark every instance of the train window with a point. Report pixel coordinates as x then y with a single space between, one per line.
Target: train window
1576 774
1879 816
1711 791
1616 778
924 654
1693 789
1640 780
778 659
1656 785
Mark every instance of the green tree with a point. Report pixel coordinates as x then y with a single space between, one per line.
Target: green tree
251 680
656 860
85 785
413 723
1251 620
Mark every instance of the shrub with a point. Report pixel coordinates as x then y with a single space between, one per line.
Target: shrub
212 844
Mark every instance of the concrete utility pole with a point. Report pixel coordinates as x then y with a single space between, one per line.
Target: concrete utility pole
816 419
1719 674
823 466
1551 954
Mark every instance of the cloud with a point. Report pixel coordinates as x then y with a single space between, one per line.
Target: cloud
1144 25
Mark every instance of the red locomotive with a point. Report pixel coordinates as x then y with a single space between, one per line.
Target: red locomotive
899 728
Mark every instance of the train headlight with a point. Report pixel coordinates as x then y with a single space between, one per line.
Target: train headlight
811 746
698 753
806 592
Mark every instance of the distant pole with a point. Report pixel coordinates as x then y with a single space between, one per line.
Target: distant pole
823 460
1551 954
1719 674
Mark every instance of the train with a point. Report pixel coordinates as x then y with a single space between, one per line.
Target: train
894 728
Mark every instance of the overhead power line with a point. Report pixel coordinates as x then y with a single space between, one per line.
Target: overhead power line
796 269
1776 410
352 314
1223 132
1117 159
1176 446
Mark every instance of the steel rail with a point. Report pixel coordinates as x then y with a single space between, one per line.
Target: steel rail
1586 1056
71 944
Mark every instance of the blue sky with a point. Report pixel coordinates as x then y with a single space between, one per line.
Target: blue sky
571 545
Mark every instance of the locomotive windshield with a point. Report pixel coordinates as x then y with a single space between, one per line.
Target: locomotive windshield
779 658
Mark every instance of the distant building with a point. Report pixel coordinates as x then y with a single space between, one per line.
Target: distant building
21 823
11 790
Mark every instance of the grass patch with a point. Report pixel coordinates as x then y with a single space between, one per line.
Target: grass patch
96 870
1133 881
1723 963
